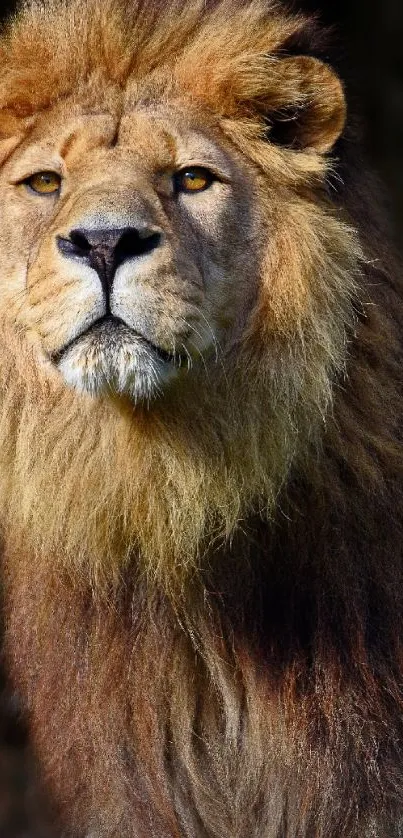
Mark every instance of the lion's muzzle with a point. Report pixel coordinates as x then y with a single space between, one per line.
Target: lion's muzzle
110 352
105 249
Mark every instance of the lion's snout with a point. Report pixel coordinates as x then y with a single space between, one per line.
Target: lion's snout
106 248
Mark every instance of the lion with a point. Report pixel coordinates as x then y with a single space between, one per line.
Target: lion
200 411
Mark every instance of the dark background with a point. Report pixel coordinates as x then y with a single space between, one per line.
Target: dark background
367 38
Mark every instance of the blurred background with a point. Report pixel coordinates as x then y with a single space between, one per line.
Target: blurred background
369 39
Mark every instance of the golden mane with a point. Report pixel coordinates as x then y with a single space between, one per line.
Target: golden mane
205 477
202 594
215 48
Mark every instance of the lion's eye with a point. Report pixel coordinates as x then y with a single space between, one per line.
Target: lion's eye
44 183
193 179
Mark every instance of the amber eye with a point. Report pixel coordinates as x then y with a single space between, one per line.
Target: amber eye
193 179
44 183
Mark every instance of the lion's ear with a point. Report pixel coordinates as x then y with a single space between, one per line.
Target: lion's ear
310 110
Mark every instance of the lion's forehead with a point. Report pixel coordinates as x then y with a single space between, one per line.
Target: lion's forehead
153 138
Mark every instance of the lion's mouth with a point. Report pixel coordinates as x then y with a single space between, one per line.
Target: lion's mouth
110 330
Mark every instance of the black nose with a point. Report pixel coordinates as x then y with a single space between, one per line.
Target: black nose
106 249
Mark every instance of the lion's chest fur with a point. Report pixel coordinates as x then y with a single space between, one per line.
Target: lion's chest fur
234 715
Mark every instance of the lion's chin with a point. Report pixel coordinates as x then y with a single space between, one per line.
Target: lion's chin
116 361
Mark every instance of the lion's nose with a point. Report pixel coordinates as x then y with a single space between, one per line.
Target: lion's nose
106 249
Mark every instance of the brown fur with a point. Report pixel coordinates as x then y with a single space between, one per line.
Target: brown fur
203 591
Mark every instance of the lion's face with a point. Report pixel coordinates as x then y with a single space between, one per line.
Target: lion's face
131 254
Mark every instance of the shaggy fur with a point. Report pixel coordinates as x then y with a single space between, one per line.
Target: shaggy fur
203 592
